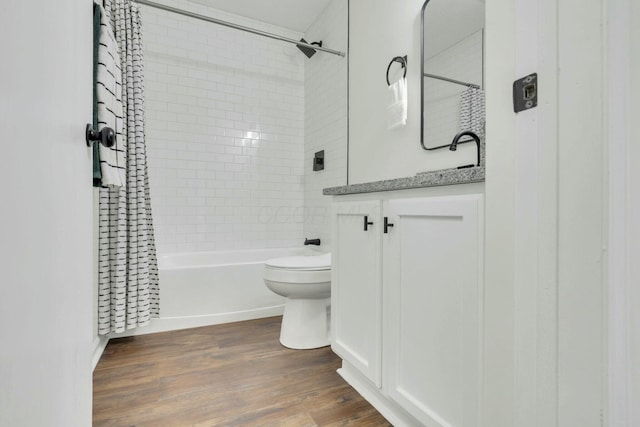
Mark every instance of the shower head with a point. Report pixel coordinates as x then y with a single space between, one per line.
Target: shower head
309 51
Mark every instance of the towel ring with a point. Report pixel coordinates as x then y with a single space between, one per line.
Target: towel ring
403 61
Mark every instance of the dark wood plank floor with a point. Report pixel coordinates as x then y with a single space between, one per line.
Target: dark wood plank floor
235 374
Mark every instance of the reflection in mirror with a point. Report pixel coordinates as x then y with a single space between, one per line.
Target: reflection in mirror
452 69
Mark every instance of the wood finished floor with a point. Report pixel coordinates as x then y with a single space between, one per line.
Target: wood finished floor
235 374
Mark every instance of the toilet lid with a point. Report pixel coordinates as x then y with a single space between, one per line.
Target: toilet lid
305 262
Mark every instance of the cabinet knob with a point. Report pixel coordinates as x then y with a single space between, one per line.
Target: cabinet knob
387 224
367 223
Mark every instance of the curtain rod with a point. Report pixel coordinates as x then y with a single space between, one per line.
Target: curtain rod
446 79
236 26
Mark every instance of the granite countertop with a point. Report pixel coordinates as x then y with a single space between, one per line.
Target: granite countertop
424 179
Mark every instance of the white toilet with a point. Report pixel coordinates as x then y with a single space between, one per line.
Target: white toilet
306 283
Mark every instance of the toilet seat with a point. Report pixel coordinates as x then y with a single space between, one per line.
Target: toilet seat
297 276
301 263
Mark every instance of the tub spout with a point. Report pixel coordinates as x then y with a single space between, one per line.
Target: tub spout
312 242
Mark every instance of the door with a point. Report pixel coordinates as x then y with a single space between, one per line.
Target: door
546 326
46 248
356 286
432 308
624 215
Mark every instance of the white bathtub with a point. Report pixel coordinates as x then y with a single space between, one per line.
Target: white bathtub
208 288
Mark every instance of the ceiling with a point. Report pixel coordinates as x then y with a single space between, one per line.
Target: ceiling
448 22
296 15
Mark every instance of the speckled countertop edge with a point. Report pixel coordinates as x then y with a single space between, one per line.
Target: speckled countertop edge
426 179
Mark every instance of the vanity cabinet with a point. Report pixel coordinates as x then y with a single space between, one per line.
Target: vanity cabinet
406 305
356 307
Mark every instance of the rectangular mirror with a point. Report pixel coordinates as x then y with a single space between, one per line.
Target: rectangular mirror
452 68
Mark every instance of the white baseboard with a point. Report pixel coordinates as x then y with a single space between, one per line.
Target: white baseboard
165 324
372 394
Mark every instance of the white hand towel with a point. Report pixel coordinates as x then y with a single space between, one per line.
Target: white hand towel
110 112
397 109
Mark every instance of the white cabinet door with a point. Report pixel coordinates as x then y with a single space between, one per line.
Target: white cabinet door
356 286
432 308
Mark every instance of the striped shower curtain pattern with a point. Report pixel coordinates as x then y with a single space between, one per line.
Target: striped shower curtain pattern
127 265
472 111
108 97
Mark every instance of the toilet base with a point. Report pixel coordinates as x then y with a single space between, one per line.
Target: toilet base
305 324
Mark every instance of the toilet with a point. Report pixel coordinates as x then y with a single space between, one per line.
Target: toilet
305 282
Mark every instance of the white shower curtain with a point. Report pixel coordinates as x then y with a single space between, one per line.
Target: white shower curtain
127 266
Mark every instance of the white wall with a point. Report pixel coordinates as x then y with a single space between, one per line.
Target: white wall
225 133
624 214
379 31
325 119
46 249
634 211
581 219
498 405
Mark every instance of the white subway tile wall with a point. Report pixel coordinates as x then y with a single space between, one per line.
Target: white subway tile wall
225 133
325 119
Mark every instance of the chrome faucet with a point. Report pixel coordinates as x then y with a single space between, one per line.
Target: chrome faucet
456 140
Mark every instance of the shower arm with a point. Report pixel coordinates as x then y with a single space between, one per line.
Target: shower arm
235 26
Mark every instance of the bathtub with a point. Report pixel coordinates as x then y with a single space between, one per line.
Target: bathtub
208 288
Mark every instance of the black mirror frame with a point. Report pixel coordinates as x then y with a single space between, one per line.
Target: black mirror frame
424 6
